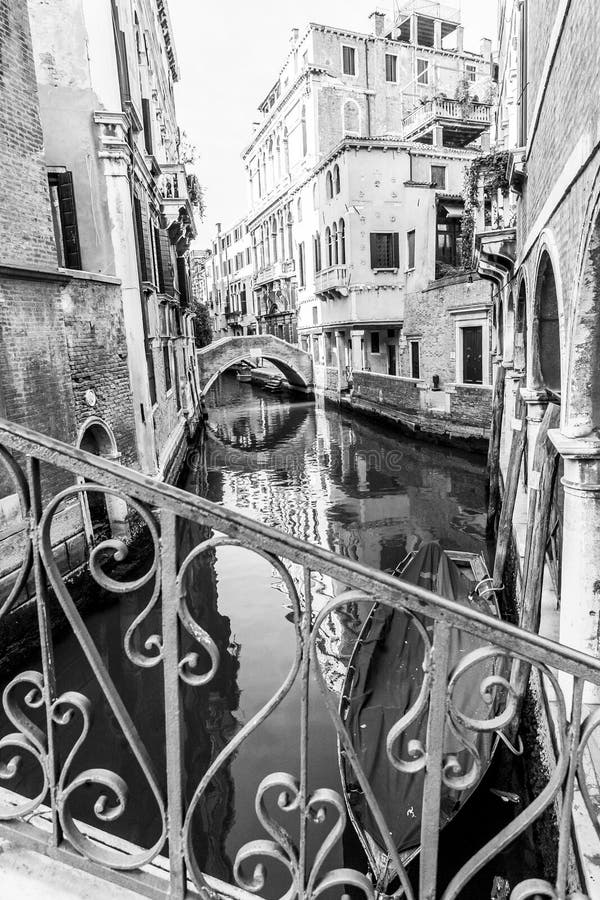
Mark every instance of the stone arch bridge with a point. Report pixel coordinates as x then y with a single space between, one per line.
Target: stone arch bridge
295 365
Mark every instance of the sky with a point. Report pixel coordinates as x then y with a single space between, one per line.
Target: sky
230 53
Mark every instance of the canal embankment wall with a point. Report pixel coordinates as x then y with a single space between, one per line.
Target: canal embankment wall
459 415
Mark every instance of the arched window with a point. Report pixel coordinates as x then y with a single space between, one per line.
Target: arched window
286 152
546 336
351 117
304 136
329 186
274 239
315 196
267 242
278 159
334 243
342 242
336 179
290 232
281 234
299 209
317 251
328 245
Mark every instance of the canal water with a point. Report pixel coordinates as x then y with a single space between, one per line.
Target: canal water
344 483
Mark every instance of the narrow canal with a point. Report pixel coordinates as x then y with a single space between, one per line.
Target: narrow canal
344 483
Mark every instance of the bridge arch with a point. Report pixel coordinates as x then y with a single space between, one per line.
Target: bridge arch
295 365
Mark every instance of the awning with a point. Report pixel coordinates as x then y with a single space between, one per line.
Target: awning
454 209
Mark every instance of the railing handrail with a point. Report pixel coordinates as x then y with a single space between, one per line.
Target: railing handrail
374 582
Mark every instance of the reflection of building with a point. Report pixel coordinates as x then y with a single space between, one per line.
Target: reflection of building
356 174
229 282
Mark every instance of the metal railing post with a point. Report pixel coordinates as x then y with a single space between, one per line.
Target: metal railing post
170 625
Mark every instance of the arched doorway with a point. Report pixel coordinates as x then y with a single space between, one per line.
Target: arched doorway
104 515
546 335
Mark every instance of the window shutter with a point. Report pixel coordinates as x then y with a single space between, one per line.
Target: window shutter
140 239
182 279
166 263
395 250
68 218
147 118
374 253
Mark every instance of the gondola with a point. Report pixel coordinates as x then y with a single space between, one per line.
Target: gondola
383 681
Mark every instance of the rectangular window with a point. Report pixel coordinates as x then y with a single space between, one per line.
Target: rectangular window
301 275
315 315
147 119
141 246
438 177
422 71
449 239
374 342
410 249
247 256
167 365
472 354
182 282
391 67
64 219
471 73
160 274
349 60
385 251
415 360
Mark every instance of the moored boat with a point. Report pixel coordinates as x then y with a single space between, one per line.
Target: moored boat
384 680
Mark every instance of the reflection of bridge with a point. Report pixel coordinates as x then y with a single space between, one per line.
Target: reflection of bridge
295 365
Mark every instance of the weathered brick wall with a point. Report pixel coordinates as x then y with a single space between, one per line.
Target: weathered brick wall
387 391
430 318
471 405
25 218
97 355
571 104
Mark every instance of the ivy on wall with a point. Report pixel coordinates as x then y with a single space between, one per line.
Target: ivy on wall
488 172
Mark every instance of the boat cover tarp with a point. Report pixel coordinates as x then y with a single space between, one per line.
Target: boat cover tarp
388 675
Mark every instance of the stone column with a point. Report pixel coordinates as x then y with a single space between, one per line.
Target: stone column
115 158
580 584
537 403
340 345
357 356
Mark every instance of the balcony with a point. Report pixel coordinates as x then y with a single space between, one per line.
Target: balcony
333 282
461 123
274 271
178 190
49 720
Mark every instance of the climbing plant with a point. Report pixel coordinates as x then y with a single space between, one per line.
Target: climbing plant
490 171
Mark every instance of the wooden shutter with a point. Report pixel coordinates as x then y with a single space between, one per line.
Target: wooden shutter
68 218
374 252
159 261
147 118
137 206
183 281
121 54
395 250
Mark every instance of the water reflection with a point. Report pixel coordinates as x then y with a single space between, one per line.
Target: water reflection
345 484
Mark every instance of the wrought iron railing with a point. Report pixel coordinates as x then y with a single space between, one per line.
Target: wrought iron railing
47 821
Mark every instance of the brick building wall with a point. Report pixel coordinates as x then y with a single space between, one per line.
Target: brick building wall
25 218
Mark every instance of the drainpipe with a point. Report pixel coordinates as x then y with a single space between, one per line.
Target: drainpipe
368 95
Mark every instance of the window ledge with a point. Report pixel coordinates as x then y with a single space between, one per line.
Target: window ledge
393 271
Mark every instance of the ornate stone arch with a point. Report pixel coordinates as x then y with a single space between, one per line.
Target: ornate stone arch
547 327
351 119
582 401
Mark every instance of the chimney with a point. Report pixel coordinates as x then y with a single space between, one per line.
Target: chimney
486 48
460 39
294 35
378 23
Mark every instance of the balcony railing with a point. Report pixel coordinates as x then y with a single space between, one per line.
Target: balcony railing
437 109
332 279
46 821
280 269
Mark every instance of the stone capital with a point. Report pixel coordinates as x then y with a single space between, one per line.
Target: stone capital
537 403
582 461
